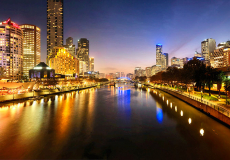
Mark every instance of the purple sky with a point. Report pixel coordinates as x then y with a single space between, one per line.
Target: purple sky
123 33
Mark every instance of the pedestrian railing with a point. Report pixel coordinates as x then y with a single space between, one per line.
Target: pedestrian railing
212 105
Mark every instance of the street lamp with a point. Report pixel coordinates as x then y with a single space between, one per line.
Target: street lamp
201 95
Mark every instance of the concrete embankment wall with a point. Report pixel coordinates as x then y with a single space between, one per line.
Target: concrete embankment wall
205 108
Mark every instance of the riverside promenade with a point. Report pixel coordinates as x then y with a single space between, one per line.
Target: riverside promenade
209 107
15 97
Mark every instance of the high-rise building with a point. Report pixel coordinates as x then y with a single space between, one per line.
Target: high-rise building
118 74
158 54
221 55
122 74
165 60
161 58
83 51
137 71
54 24
69 41
11 49
207 47
70 46
91 64
63 62
82 67
148 71
31 47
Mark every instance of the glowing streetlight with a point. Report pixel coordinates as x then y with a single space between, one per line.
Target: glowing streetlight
202 132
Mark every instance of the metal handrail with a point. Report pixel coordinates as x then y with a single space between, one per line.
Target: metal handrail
214 106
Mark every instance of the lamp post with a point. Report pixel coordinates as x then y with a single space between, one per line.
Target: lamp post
201 95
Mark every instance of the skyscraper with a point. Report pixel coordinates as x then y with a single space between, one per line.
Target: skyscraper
158 54
161 59
54 24
70 46
91 64
31 47
11 51
83 51
207 47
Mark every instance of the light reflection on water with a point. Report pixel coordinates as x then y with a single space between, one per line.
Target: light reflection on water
119 123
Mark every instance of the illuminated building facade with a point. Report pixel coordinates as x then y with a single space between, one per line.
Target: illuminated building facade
91 64
63 62
41 71
148 71
70 46
118 74
220 57
82 67
31 47
137 71
158 54
161 58
54 24
83 51
11 49
130 75
207 47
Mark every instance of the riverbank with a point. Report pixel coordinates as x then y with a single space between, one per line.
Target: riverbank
25 96
217 112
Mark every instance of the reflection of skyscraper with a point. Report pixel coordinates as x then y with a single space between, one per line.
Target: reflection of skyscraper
83 51
31 47
54 24
11 48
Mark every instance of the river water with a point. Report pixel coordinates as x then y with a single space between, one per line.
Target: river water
110 123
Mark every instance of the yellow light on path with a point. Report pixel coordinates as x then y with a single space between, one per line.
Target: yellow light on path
181 113
189 121
201 132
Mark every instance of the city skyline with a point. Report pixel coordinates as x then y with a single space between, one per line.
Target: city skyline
110 28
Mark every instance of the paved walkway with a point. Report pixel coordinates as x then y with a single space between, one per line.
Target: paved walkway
221 103
12 97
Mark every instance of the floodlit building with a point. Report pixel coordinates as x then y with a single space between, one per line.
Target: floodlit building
63 62
82 68
54 24
207 47
155 69
11 49
91 64
178 62
83 51
41 71
148 71
118 74
31 47
220 56
137 71
70 46
161 58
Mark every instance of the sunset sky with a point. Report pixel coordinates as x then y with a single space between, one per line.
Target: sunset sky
123 33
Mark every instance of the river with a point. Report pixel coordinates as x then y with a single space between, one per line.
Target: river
110 123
